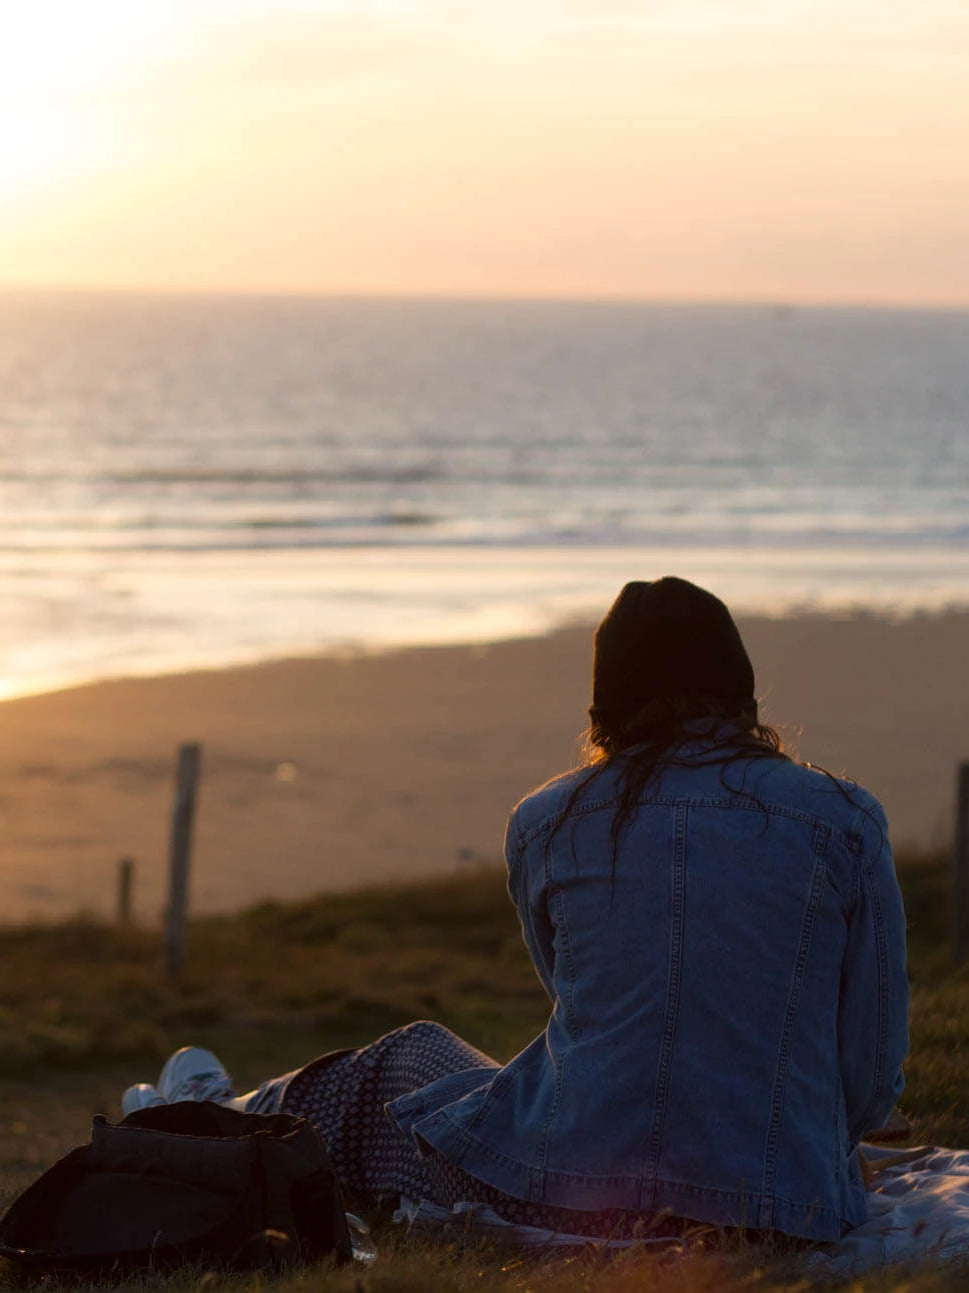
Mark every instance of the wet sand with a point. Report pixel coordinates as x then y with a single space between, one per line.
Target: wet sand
335 772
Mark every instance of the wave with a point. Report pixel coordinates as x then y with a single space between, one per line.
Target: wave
420 531
349 474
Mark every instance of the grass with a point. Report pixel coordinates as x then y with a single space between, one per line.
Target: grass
84 1012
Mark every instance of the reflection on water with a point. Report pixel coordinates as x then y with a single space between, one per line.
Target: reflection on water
200 480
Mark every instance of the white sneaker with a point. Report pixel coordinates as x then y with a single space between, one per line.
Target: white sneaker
140 1096
194 1074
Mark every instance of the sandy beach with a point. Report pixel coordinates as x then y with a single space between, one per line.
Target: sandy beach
330 773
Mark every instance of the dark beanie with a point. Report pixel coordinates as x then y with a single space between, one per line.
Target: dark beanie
666 638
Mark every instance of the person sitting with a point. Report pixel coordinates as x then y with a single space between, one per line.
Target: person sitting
721 935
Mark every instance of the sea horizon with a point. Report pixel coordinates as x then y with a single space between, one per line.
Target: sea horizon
776 303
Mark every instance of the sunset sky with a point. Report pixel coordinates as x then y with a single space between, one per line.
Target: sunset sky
770 149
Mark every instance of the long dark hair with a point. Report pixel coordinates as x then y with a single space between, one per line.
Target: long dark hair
655 737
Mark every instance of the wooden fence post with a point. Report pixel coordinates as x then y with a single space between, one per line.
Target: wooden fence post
126 869
186 784
959 928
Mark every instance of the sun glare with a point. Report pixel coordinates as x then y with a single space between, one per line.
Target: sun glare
59 62
59 46
33 144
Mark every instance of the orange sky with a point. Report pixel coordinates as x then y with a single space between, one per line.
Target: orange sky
805 150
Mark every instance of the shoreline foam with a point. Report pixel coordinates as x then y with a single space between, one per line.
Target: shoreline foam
144 615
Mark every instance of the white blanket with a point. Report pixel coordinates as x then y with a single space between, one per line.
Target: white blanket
918 1210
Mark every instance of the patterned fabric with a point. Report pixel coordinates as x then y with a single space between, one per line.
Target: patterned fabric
344 1094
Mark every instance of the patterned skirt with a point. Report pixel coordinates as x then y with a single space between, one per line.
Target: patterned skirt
344 1094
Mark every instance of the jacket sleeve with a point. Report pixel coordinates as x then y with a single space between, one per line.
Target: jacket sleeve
526 885
873 1011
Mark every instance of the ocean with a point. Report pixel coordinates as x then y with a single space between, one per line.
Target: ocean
196 481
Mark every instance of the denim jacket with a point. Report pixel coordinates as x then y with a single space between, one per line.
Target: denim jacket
729 1001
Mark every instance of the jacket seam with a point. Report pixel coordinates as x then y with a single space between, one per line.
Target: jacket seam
677 923
881 956
503 1078
575 1032
736 802
766 1218
541 1154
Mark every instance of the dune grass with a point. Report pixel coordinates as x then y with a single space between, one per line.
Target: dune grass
84 1011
